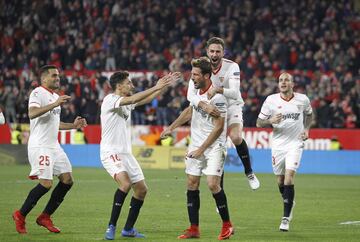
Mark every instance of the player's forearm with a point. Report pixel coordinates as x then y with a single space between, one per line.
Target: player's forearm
137 97
66 126
35 112
149 98
230 93
215 133
184 117
263 123
307 121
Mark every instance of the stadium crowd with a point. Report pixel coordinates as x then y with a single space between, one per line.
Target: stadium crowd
317 41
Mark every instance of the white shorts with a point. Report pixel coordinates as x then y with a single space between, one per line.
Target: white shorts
210 164
286 160
48 162
234 114
115 162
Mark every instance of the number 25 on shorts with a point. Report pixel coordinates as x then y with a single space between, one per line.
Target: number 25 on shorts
44 160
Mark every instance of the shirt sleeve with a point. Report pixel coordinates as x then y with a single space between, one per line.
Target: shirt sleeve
34 99
191 94
265 112
307 108
219 101
233 92
118 104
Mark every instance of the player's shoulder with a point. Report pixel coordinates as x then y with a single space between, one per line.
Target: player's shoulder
37 92
229 65
273 97
300 96
228 62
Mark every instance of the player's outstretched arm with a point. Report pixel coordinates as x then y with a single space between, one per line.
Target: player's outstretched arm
35 112
175 77
78 123
2 118
215 133
184 117
137 97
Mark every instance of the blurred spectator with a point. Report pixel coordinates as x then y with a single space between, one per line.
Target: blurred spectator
317 41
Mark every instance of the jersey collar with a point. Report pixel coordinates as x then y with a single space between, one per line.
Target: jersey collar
287 100
48 89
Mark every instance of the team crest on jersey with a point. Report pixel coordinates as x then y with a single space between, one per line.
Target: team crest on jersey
221 79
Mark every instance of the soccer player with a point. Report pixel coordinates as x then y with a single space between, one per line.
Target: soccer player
2 118
226 80
289 114
46 156
206 153
115 147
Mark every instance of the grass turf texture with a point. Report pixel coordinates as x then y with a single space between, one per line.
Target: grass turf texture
322 202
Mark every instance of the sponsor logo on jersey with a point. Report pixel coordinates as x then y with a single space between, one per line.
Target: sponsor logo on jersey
236 73
294 116
56 111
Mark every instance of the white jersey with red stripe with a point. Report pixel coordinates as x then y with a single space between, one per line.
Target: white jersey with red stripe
202 123
286 134
227 77
115 125
45 128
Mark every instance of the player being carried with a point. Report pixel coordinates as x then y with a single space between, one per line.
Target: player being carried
115 147
226 80
289 114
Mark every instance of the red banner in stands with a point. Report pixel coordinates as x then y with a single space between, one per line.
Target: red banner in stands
320 139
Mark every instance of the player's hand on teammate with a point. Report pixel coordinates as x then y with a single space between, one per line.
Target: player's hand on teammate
62 99
165 133
80 122
211 92
212 110
304 135
276 118
196 154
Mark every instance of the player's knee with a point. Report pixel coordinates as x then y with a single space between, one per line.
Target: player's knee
125 186
192 184
141 192
236 138
214 186
46 183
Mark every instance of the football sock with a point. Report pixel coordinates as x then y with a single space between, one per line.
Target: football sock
57 196
119 199
221 203
243 153
135 206
34 195
281 190
222 180
193 206
288 196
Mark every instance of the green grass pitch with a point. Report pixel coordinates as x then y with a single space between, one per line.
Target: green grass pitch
322 203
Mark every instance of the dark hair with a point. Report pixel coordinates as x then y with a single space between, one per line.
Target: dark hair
118 78
203 63
45 69
215 40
